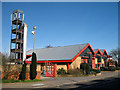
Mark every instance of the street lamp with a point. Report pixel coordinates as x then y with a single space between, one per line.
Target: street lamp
33 32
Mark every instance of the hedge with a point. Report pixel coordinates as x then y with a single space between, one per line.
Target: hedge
108 68
61 71
86 68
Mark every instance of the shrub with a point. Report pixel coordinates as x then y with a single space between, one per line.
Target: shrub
107 64
104 69
33 67
75 72
111 68
61 71
107 68
85 67
117 68
82 65
116 64
23 72
95 70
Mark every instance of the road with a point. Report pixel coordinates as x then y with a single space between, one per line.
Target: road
106 80
102 83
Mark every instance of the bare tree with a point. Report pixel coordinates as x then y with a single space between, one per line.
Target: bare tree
7 68
49 46
115 53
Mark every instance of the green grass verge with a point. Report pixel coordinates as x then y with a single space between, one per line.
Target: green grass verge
13 81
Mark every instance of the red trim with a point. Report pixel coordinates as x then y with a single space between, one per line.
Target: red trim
28 55
105 51
68 66
105 55
101 61
67 60
52 61
55 61
49 60
28 62
89 52
98 55
97 51
82 51
84 57
94 65
81 60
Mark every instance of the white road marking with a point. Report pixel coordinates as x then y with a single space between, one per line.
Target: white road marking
38 84
67 83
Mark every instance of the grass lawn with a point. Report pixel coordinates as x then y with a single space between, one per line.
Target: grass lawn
13 81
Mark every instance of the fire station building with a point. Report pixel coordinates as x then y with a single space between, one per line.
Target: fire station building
70 57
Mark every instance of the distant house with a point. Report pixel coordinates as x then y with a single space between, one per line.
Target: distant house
110 61
100 58
104 56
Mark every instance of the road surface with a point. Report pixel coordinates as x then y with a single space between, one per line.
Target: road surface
106 80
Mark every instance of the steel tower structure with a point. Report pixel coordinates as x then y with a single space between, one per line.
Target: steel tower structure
17 35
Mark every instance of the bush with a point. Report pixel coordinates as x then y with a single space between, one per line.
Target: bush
117 68
95 70
107 68
111 68
61 71
75 72
116 64
104 69
107 64
23 73
86 68
33 67
82 66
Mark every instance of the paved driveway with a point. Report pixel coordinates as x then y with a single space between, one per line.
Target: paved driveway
60 81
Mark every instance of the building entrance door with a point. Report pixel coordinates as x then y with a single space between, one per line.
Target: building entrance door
49 69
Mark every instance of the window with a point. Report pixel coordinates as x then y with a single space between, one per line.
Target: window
96 65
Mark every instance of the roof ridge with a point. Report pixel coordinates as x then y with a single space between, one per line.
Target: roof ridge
61 46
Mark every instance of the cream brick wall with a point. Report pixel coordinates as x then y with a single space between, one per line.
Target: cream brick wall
96 60
76 63
62 66
38 67
102 61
